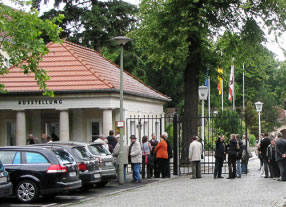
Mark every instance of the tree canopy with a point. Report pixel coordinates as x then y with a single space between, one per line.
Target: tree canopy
21 37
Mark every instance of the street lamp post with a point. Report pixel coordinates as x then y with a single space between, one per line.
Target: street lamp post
121 41
203 94
259 109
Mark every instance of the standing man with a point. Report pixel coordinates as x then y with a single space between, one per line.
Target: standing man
44 138
238 156
153 164
265 142
170 153
135 157
116 156
232 149
280 149
219 156
195 151
111 140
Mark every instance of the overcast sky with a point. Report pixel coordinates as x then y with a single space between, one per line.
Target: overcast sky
271 44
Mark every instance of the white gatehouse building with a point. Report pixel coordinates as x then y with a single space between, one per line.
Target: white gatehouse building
86 102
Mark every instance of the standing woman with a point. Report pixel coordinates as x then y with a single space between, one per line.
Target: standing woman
232 151
219 156
162 157
146 151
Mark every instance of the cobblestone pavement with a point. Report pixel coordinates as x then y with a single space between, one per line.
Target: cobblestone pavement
250 190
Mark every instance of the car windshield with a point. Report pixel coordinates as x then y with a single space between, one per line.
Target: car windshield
64 157
81 152
96 149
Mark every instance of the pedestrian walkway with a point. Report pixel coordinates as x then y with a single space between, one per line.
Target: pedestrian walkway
250 190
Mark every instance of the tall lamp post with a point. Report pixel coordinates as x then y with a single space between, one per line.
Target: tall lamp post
258 106
121 41
203 94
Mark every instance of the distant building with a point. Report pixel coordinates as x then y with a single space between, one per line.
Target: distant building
86 102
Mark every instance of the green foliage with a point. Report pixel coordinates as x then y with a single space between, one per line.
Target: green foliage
21 37
229 122
252 140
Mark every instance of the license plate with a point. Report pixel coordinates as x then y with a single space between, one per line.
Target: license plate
3 180
108 164
96 175
72 174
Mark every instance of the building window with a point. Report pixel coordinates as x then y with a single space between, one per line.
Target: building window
94 129
146 128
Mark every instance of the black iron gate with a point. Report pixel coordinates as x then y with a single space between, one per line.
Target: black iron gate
173 125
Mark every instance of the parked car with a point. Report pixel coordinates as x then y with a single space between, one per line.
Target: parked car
39 170
98 151
6 187
89 171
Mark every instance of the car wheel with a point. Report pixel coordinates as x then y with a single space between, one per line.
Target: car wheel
27 191
101 184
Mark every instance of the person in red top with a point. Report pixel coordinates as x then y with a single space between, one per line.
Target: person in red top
162 157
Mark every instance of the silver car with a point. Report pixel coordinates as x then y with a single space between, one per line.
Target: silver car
98 151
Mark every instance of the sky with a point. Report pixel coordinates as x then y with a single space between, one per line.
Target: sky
271 44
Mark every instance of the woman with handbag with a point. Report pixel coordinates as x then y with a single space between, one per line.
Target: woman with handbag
146 151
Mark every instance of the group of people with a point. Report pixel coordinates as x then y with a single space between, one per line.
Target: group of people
272 155
151 156
44 139
238 155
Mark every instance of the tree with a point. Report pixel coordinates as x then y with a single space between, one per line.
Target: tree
21 37
177 32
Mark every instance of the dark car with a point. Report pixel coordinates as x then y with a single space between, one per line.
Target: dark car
98 151
39 170
6 187
89 171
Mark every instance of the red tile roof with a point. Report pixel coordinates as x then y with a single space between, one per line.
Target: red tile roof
73 68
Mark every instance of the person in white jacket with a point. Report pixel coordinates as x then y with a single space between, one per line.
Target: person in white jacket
135 157
195 151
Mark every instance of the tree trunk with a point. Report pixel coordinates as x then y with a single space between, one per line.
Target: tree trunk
191 83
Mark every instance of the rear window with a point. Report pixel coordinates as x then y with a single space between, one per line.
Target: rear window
81 152
64 157
96 149
1 167
7 157
35 158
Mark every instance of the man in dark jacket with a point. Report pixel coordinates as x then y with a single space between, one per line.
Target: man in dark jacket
153 166
219 156
238 156
265 142
280 149
232 149
111 140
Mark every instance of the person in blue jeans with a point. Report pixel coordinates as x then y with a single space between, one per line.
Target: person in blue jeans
239 155
135 158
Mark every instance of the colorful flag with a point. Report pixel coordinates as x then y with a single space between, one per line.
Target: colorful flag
231 84
219 85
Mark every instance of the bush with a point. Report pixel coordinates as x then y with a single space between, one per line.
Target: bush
252 140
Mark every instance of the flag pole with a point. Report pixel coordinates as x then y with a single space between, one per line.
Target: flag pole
209 101
233 96
222 95
243 104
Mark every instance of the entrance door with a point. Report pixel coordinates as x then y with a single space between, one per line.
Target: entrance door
52 129
11 132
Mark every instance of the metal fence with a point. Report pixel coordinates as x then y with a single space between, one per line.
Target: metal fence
173 125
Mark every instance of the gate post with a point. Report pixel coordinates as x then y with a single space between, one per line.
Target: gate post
246 138
175 144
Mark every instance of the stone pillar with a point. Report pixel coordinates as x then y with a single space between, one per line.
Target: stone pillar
20 128
36 124
107 121
77 131
64 125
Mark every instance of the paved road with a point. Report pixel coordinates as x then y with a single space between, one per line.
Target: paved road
250 190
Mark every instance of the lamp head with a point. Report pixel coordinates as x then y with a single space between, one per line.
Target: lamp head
203 93
258 106
121 40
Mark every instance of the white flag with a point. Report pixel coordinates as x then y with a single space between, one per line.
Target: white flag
231 84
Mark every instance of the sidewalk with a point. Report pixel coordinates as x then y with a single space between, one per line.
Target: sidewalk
250 190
